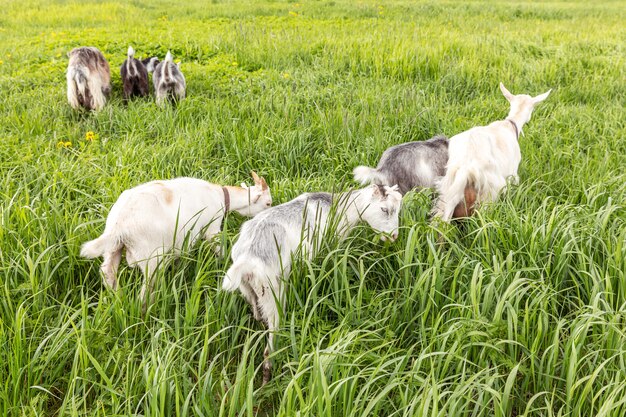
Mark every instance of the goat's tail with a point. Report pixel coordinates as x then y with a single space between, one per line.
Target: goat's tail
239 270
168 57
366 175
76 86
131 52
101 245
452 189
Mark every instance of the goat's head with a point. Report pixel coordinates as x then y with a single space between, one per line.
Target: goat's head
259 196
381 209
150 63
522 105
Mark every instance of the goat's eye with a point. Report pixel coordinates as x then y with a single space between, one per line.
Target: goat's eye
384 210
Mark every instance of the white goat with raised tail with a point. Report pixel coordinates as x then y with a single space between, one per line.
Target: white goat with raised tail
482 158
262 254
160 216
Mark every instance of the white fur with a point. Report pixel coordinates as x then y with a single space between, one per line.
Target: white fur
78 80
365 175
160 216
484 157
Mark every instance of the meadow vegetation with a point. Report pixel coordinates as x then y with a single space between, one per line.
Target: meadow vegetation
522 310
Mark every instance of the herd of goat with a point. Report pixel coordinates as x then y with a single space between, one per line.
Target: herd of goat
161 217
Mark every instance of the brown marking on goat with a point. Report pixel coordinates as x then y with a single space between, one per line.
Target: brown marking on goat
167 194
466 207
501 145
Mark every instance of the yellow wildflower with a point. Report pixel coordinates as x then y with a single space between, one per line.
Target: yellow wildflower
285 75
90 136
62 144
292 13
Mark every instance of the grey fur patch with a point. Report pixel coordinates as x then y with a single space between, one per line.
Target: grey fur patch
267 231
169 81
408 164
324 198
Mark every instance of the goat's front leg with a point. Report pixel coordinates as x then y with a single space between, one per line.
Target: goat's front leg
211 232
267 303
149 269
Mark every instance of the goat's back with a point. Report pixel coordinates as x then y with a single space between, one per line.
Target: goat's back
414 164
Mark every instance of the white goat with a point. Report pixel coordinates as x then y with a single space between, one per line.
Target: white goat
482 158
262 254
88 78
159 216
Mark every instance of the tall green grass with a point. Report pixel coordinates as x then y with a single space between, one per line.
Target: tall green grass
520 312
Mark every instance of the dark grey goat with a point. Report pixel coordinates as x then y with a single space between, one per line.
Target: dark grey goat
134 76
409 165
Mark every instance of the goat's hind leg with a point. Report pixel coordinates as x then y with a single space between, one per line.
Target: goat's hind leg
250 296
109 268
148 268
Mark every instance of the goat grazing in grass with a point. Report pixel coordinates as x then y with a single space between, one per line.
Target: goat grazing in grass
169 81
409 165
88 78
262 254
482 158
134 76
160 216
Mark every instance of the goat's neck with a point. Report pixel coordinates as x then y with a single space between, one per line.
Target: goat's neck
349 204
239 198
519 116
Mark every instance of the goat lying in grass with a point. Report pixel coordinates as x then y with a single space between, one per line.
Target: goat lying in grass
169 81
481 159
409 165
134 76
160 216
262 254
88 78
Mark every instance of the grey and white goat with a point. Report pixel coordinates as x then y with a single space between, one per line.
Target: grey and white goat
134 76
169 81
161 216
262 254
410 165
88 78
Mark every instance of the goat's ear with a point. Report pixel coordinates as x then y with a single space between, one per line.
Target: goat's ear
257 180
263 184
376 191
541 97
393 188
506 92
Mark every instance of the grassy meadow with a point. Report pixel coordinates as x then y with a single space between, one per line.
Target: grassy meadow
520 312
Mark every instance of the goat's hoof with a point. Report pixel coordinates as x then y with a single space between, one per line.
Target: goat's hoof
267 374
